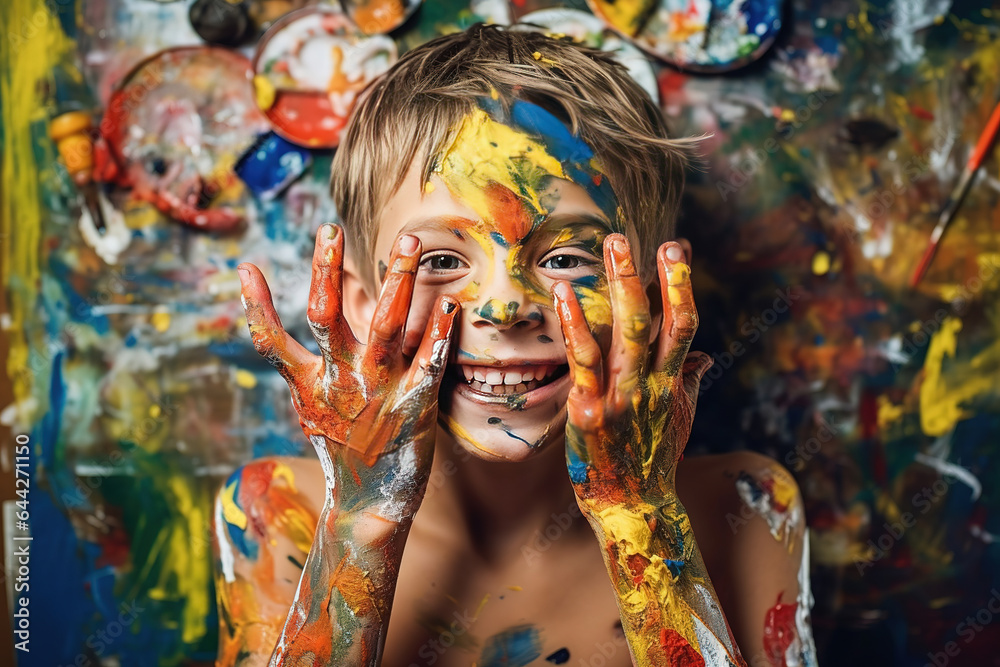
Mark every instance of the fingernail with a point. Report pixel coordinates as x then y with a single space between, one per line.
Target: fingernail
244 274
408 244
332 231
674 253
448 306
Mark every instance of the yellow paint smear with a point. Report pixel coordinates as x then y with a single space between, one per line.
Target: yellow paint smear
944 392
486 152
245 379
33 44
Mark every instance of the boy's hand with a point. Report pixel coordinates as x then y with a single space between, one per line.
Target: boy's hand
629 415
364 407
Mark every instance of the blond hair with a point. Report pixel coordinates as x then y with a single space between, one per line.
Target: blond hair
413 109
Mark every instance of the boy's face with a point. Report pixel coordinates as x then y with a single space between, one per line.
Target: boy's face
512 206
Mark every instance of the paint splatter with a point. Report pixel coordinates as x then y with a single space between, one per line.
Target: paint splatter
772 494
514 647
558 657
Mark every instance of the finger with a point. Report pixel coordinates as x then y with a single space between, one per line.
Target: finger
386 336
680 317
630 310
432 355
582 351
269 337
325 295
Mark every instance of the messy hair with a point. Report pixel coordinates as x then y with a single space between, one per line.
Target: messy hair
415 107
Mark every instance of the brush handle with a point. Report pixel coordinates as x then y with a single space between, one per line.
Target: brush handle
985 140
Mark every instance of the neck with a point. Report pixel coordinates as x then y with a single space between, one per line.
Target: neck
502 506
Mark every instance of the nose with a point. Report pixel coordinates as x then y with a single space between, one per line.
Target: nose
506 305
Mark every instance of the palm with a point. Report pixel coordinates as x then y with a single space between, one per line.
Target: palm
627 426
361 397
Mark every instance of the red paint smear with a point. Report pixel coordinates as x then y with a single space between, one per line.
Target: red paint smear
921 112
677 650
779 631
637 564
510 215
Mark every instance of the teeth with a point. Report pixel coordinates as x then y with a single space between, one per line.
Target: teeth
502 382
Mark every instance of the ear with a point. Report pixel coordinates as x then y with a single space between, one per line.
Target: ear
655 296
359 305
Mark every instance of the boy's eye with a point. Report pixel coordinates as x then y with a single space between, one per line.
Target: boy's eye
443 263
562 262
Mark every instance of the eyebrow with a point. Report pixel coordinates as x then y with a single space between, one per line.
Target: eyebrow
454 223
575 219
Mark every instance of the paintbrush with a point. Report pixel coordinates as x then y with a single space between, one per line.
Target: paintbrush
958 194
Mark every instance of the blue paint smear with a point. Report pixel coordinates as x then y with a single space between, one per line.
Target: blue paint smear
577 468
572 152
236 534
514 647
675 566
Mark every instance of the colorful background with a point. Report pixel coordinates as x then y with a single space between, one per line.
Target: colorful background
825 165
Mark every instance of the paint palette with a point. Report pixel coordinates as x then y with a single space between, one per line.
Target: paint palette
309 69
175 125
590 30
699 35
379 16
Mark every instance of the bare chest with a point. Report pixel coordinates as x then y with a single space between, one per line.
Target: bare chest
450 610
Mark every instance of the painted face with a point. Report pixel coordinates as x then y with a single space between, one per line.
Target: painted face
515 203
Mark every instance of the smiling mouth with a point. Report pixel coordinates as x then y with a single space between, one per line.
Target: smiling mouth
494 381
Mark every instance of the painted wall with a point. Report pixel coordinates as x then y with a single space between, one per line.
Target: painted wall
827 163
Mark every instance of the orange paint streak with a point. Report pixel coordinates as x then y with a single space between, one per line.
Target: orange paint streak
508 214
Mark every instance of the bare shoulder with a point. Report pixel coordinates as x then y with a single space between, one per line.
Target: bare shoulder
264 517
747 515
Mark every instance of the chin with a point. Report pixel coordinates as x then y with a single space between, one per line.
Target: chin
508 423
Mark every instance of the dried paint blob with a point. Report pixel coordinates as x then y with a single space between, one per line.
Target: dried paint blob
700 35
309 69
559 657
590 30
176 124
377 16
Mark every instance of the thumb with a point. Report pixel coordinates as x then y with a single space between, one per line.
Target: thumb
696 364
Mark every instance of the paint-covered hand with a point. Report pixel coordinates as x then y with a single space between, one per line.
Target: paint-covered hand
630 409
367 409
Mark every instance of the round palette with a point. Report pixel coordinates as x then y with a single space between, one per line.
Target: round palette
699 35
310 67
590 30
379 16
176 124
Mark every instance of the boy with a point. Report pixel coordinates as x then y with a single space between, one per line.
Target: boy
503 196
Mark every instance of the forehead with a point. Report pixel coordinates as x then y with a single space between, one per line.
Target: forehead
506 172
